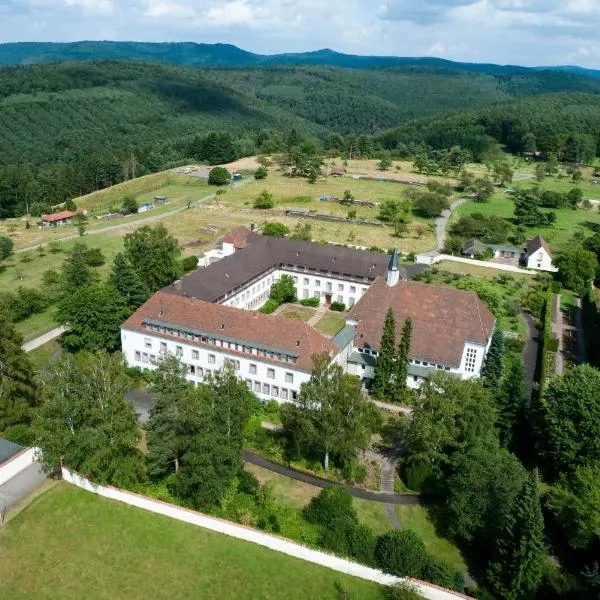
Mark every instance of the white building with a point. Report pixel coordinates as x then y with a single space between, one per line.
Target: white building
209 317
538 255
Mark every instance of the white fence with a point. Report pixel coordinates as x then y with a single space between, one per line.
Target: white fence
13 466
278 544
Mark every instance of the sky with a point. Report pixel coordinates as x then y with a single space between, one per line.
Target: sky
524 32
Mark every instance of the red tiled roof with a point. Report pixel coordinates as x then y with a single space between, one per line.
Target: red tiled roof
287 335
536 243
443 319
59 216
238 237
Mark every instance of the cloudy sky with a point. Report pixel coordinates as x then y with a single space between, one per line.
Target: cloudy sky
527 32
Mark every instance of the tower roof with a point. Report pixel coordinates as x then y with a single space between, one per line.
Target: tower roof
393 264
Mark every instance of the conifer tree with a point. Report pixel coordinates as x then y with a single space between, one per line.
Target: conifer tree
516 571
126 280
510 401
401 363
75 270
166 425
17 388
385 360
494 361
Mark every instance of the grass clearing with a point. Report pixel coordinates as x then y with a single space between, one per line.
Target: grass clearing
41 357
330 324
300 313
70 544
414 516
37 324
477 271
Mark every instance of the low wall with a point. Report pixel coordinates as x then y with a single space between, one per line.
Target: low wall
483 263
278 544
13 466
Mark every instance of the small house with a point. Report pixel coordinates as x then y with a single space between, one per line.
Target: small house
538 255
474 248
160 199
58 219
337 172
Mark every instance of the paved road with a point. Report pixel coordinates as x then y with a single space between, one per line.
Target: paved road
274 467
559 334
442 222
21 485
40 340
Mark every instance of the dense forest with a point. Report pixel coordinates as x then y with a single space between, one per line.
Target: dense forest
73 127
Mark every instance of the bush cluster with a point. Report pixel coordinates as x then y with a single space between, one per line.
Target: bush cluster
338 306
23 303
312 302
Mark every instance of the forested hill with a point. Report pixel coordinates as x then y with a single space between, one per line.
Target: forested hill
565 124
69 128
227 55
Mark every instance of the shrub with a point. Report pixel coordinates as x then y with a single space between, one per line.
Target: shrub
415 474
264 200
261 173
553 344
219 176
312 302
19 434
334 536
189 263
269 306
403 591
332 503
94 257
361 543
402 553
283 290
6 247
338 306
247 483
274 229
129 205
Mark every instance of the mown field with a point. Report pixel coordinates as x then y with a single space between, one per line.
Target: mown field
70 544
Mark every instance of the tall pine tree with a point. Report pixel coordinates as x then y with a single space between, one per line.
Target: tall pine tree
401 363
126 280
494 361
17 388
516 571
385 361
510 401
166 426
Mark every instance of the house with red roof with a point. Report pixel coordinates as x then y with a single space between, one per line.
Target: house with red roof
58 219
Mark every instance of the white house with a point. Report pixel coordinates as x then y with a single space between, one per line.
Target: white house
209 318
538 255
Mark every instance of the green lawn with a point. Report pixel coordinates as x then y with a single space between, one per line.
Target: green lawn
302 313
414 516
70 544
40 357
568 299
37 324
330 324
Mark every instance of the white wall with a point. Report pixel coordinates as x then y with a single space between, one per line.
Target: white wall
255 294
13 466
149 345
278 544
541 261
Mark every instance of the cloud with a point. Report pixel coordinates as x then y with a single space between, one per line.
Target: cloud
417 11
101 7
170 10
236 12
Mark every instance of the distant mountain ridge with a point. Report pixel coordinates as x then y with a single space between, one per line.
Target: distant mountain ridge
228 55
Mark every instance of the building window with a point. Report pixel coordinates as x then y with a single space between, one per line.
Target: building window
153 359
340 287
147 343
163 347
266 389
257 387
284 394
351 301
192 369
145 357
317 294
471 359
270 373
353 289
305 293
289 377
274 391
211 359
195 354
199 371
138 356
249 383
178 351
306 281
317 283
252 369
207 372
340 299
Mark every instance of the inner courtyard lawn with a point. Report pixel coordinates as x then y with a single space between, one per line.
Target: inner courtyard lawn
71 544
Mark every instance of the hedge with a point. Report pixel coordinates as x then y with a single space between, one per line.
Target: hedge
312 302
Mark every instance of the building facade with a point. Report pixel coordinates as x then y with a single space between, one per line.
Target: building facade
209 318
